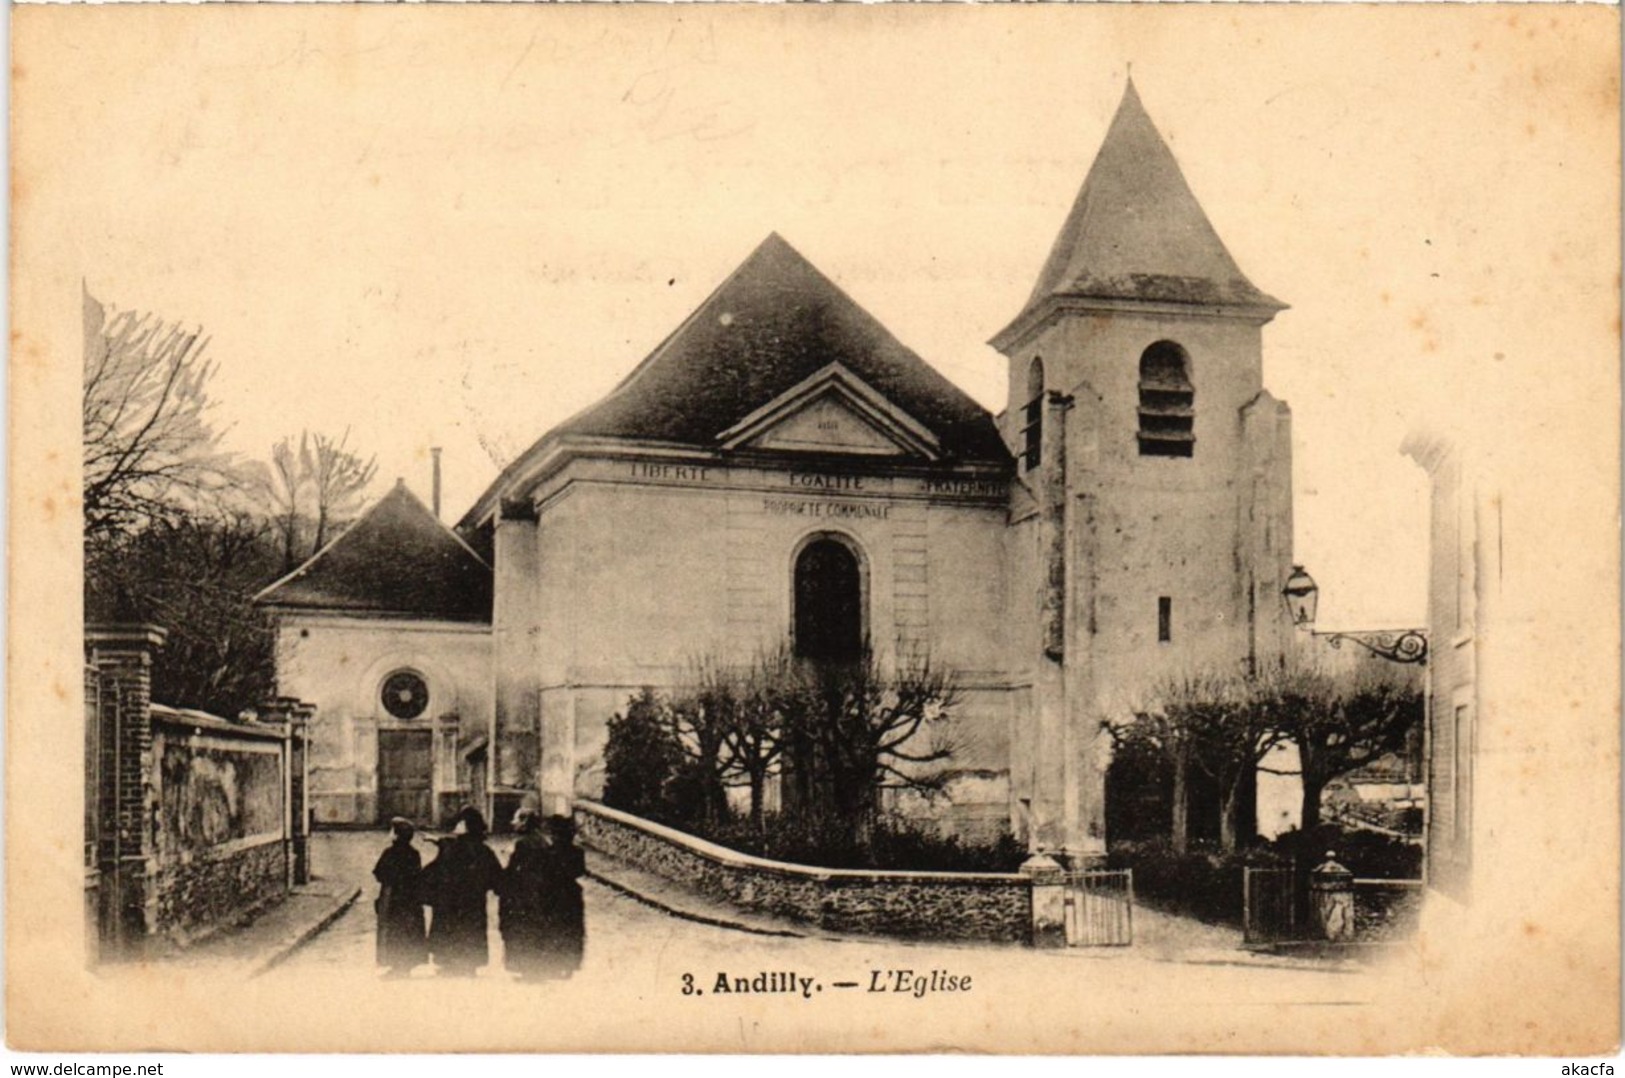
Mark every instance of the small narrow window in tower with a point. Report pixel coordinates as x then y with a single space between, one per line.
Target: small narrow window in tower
1032 431
1167 402
1165 619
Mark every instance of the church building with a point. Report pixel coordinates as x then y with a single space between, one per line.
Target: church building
782 469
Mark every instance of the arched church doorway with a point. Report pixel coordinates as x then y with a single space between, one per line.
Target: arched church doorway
828 622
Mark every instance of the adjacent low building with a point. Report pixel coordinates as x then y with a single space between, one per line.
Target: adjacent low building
388 629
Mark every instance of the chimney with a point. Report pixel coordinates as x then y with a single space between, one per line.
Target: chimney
435 452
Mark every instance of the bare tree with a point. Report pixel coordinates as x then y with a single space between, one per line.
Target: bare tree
1340 723
869 729
1219 725
1170 725
337 478
772 695
699 720
285 488
314 489
149 449
194 575
1233 735
841 732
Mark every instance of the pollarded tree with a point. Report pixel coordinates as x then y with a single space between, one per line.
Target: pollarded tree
866 729
1206 722
773 694
1340 722
700 718
1234 735
1171 724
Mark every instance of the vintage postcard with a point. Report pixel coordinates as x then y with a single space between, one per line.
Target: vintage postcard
895 528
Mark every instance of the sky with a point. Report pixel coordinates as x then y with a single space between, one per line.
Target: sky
454 228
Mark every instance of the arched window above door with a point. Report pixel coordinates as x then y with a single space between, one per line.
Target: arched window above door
828 599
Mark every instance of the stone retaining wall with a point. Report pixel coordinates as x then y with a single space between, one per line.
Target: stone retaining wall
936 905
220 887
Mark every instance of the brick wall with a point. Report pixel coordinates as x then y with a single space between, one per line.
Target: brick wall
122 658
926 905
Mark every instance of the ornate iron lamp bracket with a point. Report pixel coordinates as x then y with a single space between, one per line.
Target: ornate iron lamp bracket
1409 646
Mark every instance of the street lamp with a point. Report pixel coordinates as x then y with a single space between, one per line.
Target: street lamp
1302 596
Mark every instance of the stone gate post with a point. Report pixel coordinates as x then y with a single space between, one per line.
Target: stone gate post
278 711
1331 892
299 775
1048 900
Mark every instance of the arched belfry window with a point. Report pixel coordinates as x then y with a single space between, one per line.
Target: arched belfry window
828 602
1032 416
1167 402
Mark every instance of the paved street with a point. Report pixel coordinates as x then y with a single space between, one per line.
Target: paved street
629 942
618 926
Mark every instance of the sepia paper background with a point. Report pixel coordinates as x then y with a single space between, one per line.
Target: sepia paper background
455 226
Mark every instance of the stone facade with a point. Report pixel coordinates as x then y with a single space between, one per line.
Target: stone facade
625 604
199 895
1464 601
1152 525
387 632
1127 518
342 662
930 905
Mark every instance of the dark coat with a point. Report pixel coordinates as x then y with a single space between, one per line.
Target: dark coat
454 886
401 942
543 923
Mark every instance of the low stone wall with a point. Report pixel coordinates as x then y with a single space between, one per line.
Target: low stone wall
1386 909
220 887
192 822
933 905
221 844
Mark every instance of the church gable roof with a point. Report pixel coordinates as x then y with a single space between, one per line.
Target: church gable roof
1136 231
774 323
397 559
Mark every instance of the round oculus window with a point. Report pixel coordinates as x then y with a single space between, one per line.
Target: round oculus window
405 695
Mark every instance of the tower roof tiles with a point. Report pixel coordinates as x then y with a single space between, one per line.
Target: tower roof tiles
1136 232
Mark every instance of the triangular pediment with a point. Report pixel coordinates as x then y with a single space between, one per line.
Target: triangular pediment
833 411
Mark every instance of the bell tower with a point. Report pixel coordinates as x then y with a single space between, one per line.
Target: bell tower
1151 526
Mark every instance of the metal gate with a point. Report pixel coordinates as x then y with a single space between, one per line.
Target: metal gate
1100 908
1276 907
1272 905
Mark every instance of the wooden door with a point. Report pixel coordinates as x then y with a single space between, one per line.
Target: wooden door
405 774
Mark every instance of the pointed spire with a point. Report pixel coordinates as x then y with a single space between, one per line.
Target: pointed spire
1136 231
